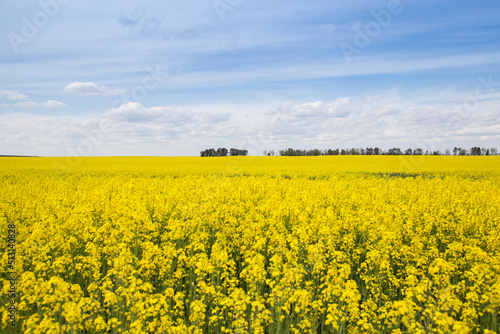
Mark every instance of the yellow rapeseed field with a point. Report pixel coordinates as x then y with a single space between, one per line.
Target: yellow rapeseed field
332 244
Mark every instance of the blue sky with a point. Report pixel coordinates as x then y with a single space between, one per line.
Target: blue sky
173 78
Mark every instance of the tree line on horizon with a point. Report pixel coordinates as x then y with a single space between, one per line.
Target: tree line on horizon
223 152
475 151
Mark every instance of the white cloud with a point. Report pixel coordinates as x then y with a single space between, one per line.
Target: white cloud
90 88
345 122
26 105
50 104
339 108
26 102
13 95
135 112
388 109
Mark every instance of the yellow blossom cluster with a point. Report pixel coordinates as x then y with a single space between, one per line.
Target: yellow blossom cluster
251 245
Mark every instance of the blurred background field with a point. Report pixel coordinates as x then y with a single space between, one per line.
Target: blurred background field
322 165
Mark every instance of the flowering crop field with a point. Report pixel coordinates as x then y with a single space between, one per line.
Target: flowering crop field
344 244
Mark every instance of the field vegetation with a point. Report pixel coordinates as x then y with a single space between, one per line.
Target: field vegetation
327 244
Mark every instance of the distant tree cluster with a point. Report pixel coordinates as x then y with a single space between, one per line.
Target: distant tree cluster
299 153
378 151
483 151
223 152
350 151
269 153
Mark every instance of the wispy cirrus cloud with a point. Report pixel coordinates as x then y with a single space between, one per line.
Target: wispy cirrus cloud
90 88
148 25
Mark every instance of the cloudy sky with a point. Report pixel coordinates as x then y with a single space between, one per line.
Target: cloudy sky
164 77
